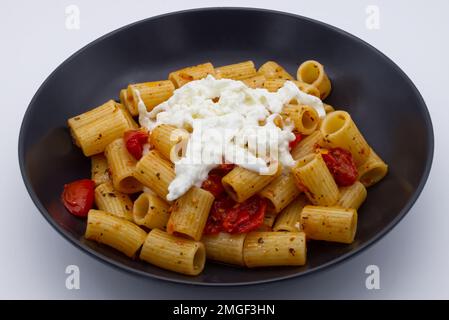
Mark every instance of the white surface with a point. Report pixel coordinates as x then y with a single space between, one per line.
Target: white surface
413 258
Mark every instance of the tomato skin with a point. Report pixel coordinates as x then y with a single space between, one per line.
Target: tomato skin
232 217
134 141
341 164
294 143
78 197
213 184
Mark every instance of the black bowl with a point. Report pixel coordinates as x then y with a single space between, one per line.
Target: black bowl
381 98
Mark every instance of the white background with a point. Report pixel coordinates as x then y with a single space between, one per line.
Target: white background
413 258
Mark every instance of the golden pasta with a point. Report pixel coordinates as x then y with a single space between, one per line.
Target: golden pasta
352 196
189 213
288 219
111 201
312 72
333 224
339 130
241 183
280 192
155 172
173 253
115 232
308 145
183 76
99 169
121 166
305 118
150 211
314 178
169 141
372 170
151 93
272 70
237 71
274 249
225 247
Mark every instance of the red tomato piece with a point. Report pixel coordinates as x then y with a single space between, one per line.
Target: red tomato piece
78 197
294 143
341 164
134 141
213 184
232 217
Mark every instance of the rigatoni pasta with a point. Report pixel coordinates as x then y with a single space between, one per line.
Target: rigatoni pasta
339 130
329 223
151 93
112 201
225 247
150 211
288 219
314 178
173 253
183 76
115 232
99 169
352 196
263 249
280 192
272 70
372 170
122 166
312 72
237 71
92 131
169 141
189 213
241 184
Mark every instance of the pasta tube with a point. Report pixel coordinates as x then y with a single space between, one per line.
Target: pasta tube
115 232
150 211
372 170
111 201
288 219
151 93
272 70
274 249
237 71
312 72
183 76
308 145
313 176
189 213
172 253
256 81
352 196
225 247
329 223
169 141
304 118
99 169
132 124
122 165
95 129
241 184
339 130
280 192
155 172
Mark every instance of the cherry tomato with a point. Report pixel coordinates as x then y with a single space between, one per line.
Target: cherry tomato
134 141
341 164
294 143
233 217
78 197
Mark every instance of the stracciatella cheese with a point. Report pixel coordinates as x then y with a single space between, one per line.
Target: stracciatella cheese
229 122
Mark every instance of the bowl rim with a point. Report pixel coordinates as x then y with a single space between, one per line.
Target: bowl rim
117 265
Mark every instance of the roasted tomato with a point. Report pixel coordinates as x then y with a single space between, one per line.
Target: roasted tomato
341 164
78 197
213 184
233 217
134 141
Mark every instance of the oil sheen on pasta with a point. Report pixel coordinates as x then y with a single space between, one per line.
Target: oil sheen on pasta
223 115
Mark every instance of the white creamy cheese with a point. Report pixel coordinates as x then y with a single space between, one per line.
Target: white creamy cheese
229 122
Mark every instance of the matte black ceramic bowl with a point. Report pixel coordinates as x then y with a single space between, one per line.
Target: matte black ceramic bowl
382 100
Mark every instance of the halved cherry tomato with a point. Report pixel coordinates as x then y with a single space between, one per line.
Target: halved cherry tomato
78 197
232 217
294 143
341 164
134 141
